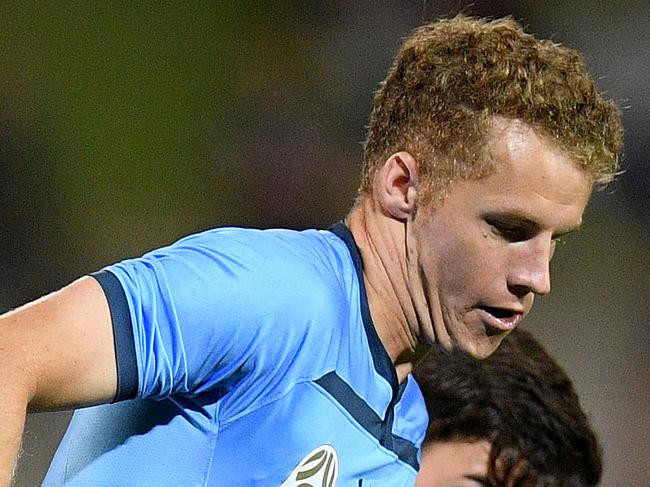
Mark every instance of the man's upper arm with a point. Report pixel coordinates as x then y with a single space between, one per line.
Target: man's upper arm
60 349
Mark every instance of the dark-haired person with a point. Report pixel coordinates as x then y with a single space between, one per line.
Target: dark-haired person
511 420
282 357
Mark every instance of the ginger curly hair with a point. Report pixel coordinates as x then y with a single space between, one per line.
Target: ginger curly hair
453 76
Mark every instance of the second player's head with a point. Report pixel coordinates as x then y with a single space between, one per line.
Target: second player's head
511 420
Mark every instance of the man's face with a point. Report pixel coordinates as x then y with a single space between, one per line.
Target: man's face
485 252
454 464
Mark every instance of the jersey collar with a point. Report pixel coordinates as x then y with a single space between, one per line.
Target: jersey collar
383 364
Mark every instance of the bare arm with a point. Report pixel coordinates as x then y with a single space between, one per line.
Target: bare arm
56 352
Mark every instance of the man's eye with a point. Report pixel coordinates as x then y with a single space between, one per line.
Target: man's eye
510 233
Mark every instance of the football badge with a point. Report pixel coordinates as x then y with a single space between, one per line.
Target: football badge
319 468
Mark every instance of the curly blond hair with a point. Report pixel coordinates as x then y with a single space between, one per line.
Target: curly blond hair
453 76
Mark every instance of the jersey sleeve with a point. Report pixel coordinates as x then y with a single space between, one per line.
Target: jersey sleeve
198 314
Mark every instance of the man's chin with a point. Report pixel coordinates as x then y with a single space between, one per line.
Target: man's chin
483 348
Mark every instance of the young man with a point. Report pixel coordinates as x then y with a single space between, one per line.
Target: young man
281 357
511 420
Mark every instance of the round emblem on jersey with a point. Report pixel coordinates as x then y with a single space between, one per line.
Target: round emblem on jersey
319 468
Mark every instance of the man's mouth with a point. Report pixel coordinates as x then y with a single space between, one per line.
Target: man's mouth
498 320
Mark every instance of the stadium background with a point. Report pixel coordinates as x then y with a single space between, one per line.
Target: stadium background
125 127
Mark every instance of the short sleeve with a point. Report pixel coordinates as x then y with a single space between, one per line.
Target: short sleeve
127 371
205 310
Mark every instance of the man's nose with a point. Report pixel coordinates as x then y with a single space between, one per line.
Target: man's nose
531 267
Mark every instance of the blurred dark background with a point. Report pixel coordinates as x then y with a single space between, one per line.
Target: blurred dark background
124 128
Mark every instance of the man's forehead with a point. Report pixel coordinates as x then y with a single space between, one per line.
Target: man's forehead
521 155
501 127
514 137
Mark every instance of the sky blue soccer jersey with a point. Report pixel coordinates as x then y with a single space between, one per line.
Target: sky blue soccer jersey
246 357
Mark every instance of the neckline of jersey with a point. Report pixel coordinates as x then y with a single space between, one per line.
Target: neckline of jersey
381 360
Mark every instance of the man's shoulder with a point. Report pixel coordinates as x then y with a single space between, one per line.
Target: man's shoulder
274 242
291 256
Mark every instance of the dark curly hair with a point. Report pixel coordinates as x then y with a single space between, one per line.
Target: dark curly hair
521 401
453 76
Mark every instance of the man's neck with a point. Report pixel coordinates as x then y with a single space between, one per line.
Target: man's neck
390 277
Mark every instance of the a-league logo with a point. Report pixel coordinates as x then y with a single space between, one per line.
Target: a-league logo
319 468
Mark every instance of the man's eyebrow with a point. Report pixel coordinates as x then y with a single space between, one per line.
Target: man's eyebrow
519 219
511 217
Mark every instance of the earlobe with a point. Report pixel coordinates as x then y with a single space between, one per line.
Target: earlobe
397 185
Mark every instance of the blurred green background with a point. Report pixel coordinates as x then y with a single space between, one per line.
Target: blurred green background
126 126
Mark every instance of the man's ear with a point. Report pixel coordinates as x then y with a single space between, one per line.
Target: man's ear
396 185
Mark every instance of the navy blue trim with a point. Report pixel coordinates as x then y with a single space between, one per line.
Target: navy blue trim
125 358
400 391
383 364
369 420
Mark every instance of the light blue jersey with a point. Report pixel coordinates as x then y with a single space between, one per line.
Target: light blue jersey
249 358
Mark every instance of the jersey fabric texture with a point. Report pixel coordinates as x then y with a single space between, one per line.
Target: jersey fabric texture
246 357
